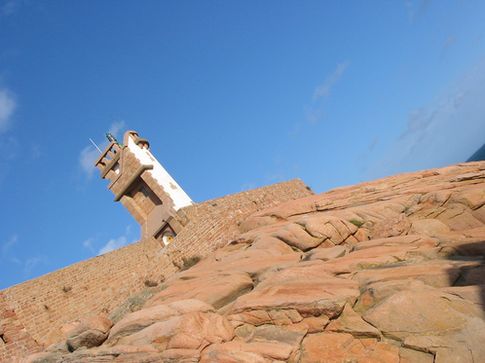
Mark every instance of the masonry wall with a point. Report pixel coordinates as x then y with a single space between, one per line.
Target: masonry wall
32 313
14 338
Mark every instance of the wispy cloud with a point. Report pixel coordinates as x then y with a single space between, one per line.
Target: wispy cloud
9 7
89 154
416 9
113 244
315 111
445 131
35 152
88 243
87 157
116 128
449 42
8 244
27 265
7 108
324 89
31 263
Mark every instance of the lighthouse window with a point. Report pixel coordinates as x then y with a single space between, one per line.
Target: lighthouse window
145 191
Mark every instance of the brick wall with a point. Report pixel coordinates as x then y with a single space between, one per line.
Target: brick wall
14 338
39 307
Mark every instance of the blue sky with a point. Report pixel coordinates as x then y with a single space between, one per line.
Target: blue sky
232 95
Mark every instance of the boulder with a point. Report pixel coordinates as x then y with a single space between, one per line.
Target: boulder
325 226
425 312
340 347
305 287
455 346
311 324
296 236
351 322
269 316
429 227
434 273
247 352
375 293
224 288
139 320
89 332
189 331
326 254
118 354
265 242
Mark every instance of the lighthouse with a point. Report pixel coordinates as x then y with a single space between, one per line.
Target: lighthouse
144 187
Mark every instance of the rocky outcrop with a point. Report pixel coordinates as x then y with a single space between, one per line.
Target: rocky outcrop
385 271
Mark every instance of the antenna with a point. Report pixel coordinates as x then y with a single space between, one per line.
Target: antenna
96 146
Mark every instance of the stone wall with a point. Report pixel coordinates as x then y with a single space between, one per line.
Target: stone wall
33 312
14 339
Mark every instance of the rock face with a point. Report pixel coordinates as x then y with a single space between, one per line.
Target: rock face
385 271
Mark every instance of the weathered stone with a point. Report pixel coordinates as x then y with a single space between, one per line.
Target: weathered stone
276 334
224 288
190 331
88 338
89 332
429 227
340 347
180 355
414 356
479 214
392 226
246 352
305 288
434 273
326 254
474 293
472 197
408 240
271 243
459 218
260 317
141 319
296 236
324 226
414 296
374 293
351 322
423 312
362 234
461 346
371 258
43 357
311 324
119 353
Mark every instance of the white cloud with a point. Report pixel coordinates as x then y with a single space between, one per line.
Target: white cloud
26 266
8 244
87 158
116 128
416 9
31 263
324 89
90 154
445 131
113 244
88 243
9 7
314 112
7 108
